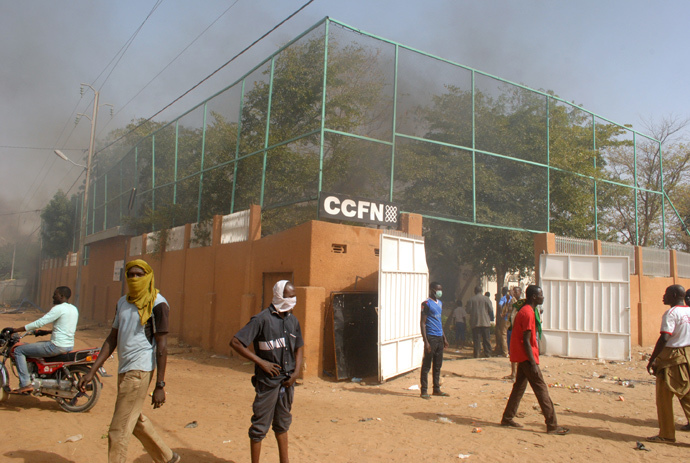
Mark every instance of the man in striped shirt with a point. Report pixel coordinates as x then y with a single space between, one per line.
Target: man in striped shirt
278 347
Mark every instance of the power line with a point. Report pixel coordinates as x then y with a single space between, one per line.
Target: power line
210 75
169 64
38 148
21 212
127 44
121 53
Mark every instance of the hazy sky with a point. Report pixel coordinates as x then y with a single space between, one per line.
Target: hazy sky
624 60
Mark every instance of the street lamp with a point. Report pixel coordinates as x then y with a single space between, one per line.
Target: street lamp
62 156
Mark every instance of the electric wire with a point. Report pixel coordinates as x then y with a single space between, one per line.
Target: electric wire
169 64
121 53
129 43
210 75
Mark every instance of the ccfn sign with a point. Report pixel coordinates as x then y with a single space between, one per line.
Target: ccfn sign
344 207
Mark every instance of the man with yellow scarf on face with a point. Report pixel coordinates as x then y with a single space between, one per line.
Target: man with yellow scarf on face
139 331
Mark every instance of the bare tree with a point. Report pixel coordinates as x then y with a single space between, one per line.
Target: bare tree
670 153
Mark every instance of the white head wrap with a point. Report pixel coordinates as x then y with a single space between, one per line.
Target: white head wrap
282 304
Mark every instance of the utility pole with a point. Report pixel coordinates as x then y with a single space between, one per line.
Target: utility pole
85 203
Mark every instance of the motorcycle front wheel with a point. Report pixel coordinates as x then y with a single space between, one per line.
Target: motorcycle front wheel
82 401
5 383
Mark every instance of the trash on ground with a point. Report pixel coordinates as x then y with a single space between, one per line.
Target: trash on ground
193 424
476 430
414 387
75 438
474 405
443 419
356 380
640 446
463 456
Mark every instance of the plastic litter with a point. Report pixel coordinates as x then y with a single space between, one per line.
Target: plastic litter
75 438
476 430
474 405
463 456
193 424
443 419
414 387
356 380
640 446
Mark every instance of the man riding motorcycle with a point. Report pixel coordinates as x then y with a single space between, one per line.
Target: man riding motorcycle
64 317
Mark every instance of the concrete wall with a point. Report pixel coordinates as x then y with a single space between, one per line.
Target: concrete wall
213 291
646 291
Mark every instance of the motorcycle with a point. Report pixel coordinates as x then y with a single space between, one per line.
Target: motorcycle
55 377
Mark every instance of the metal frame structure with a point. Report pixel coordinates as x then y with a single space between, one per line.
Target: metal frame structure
143 163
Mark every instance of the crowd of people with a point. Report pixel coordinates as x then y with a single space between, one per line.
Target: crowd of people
140 328
518 331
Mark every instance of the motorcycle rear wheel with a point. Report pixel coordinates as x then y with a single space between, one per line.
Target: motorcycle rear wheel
82 402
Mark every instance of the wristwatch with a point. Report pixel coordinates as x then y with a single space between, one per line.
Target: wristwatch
160 384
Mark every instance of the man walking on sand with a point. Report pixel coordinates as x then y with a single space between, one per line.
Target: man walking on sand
140 333
278 349
481 312
525 352
670 363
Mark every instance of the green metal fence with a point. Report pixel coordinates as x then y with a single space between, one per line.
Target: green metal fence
343 111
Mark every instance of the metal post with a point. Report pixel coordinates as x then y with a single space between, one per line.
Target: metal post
85 203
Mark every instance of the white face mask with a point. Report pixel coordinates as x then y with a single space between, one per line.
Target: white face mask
282 304
287 304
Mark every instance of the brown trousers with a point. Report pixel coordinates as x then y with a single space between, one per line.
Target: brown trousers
132 391
541 392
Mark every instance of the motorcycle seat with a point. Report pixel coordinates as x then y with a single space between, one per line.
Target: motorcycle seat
72 356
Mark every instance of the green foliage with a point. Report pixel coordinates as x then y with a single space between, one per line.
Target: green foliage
58 226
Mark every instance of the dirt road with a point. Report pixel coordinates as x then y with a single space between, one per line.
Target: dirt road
351 422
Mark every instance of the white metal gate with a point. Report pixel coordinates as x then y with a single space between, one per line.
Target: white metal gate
586 306
403 285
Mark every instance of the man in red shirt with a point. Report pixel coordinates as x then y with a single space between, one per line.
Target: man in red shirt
524 351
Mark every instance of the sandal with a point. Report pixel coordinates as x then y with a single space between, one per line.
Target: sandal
559 431
442 394
685 427
426 396
660 440
24 390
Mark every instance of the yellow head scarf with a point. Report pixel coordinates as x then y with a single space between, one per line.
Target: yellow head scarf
142 291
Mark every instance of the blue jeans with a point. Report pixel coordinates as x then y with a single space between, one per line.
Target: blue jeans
41 349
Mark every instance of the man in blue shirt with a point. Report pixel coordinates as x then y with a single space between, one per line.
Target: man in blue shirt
435 341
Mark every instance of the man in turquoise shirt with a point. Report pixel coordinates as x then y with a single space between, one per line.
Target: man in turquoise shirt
64 317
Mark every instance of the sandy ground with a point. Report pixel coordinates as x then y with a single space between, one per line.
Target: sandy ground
370 422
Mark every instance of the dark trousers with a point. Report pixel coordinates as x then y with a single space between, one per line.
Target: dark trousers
480 335
435 356
524 375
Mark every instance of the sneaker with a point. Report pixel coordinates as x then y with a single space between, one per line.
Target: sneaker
175 458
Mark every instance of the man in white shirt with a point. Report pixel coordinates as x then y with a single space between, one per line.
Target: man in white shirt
64 317
670 363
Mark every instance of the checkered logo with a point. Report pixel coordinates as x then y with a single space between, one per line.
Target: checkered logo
391 213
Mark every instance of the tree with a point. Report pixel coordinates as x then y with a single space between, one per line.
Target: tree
620 167
449 182
58 226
